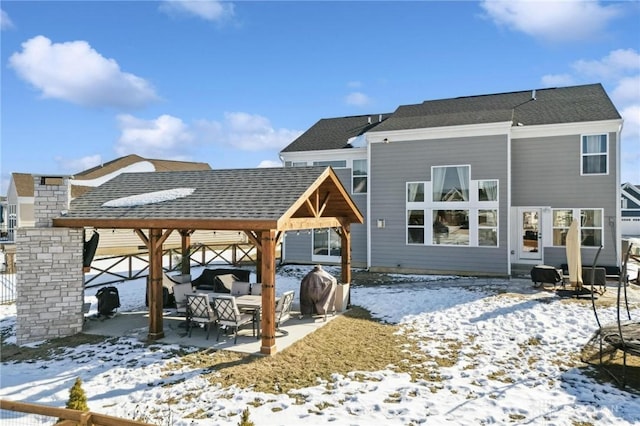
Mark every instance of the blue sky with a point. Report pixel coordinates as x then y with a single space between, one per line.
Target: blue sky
232 83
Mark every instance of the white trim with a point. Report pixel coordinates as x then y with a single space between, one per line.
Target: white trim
565 129
445 132
508 208
309 157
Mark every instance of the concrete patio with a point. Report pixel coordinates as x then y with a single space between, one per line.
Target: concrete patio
136 325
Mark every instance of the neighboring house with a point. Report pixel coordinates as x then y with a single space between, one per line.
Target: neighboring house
477 185
20 202
630 210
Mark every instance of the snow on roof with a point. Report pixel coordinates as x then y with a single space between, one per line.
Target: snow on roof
150 197
142 166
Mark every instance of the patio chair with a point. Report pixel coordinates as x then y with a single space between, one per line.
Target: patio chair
239 288
229 315
199 312
180 292
256 289
283 310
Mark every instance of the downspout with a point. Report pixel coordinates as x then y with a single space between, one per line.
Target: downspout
508 212
617 235
368 218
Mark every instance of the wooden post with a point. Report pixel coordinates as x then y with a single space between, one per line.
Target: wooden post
155 285
346 253
346 258
268 274
185 266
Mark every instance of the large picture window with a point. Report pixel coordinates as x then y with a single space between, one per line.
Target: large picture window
594 155
359 172
451 227
450 183
453 209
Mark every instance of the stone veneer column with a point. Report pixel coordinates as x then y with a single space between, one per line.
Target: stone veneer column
50 279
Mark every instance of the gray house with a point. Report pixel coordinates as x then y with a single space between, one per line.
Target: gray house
478 185
630 210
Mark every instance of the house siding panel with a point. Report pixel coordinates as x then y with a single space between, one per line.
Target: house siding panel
398 163
546 172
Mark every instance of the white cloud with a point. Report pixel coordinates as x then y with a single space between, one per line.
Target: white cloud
209 10
5 21
627 91
77 165
557 80
617 63
164 137
568 20
269 163
357 99
247 132
354 84
75 72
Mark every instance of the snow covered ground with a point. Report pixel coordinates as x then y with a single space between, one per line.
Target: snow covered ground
503 379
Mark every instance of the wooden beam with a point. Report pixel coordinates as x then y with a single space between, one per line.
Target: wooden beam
268 273
293 224
154 285
185 247
143 237
325 203
311 207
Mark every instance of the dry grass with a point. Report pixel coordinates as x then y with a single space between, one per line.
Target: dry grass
352 342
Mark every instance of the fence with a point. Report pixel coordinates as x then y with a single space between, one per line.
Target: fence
13 413
118 268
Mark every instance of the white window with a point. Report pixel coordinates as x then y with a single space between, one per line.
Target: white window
336 164
326 242
561 222
461 211
415 192
415 227
450 183
359 176
488 228
594 155
590 226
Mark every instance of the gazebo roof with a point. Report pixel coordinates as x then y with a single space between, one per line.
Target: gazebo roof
228 199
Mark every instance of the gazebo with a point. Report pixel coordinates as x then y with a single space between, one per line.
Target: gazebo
263 203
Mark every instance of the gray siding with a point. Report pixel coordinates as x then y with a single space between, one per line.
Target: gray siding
546 172
394 164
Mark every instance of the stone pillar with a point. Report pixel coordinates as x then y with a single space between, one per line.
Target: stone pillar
49 276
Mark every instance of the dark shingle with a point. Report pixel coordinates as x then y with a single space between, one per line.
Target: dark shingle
334 133
261 194
552 106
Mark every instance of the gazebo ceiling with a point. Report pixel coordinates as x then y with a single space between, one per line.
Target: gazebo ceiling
232 199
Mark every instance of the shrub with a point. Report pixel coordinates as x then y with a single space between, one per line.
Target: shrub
77 397
244 418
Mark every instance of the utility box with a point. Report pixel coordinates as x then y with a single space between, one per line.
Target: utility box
342 297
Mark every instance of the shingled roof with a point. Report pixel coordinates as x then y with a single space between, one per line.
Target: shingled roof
228 199
551 106
334 133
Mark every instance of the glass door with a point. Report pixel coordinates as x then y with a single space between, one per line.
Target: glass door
530 234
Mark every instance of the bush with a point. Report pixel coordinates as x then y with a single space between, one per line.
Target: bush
244 419
77 397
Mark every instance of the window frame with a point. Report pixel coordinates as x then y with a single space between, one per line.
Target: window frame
364 175
471 208
584 155
579 213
